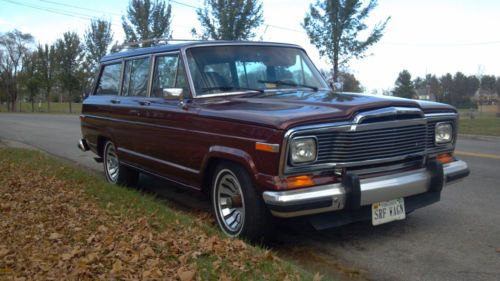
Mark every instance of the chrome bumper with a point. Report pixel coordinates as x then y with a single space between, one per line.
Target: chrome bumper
332 197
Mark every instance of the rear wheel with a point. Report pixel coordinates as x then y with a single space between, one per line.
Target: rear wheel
117 173
237 206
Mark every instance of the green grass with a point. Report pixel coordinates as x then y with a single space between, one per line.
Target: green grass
130 203
55 107
483 123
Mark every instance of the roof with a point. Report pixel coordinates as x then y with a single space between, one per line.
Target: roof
179 45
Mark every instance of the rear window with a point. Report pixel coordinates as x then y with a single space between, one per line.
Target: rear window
109 84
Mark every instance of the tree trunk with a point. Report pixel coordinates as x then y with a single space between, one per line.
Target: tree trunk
69 101
33 105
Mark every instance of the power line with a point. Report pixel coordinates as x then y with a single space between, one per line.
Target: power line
78 7
456 44
184 4
51 10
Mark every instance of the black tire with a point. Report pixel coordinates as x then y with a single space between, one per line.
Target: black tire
254 217
117 173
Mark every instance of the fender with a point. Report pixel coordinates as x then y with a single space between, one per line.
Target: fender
231 154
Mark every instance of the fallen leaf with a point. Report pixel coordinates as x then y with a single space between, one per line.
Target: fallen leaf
117 267
91 238
317 277
185 274
3 252
55 236
148 252
102 228
223 277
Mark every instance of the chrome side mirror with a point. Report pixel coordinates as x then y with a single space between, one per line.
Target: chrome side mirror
170 93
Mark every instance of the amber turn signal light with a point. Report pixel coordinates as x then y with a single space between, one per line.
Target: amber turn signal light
267 147
299 181
444 158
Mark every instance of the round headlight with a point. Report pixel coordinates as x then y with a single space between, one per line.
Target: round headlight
444 133
303 150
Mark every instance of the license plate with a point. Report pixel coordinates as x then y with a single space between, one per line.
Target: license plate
384 212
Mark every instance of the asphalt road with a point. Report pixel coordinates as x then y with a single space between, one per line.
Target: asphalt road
455 239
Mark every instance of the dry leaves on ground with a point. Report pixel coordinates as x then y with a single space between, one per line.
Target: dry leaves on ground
51 229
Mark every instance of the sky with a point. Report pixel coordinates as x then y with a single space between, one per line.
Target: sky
422 36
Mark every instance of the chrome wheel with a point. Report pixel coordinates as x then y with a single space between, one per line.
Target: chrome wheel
229 202
112 165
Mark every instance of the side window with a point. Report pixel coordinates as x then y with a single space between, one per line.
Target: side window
109 83
168 74
135 81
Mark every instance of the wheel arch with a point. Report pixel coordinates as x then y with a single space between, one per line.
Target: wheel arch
218 154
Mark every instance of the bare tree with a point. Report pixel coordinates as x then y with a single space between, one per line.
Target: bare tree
14 46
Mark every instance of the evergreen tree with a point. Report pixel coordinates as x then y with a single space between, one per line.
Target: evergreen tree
69 54
46 65
147 21
333 27
404 86
229 19
29 78
97 39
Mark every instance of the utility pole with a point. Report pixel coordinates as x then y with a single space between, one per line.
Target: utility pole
480 72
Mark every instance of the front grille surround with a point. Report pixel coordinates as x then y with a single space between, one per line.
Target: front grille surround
348 145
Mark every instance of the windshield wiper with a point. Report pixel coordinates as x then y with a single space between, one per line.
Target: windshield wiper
230 88
280 82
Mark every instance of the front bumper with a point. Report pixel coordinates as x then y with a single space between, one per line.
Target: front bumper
354 193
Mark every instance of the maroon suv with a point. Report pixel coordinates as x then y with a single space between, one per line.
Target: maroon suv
256 127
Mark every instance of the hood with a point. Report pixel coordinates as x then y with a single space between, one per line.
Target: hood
282 110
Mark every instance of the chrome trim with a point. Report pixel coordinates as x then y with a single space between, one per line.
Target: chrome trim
168 127
158 160
373 190
387 111
83 146
453 168
335 192
441 115
390 187
159 176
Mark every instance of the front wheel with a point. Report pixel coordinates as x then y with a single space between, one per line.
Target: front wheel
117 173
237 206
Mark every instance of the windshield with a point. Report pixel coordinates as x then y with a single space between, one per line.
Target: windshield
223 69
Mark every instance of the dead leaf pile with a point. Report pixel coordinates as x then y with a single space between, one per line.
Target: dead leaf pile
51 229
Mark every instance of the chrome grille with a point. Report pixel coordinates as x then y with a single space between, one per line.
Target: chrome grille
355 146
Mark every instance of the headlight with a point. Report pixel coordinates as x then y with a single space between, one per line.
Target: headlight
303 150
444 133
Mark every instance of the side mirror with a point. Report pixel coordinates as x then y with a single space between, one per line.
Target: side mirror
170 93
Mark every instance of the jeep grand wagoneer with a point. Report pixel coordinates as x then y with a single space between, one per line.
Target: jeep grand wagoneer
255 127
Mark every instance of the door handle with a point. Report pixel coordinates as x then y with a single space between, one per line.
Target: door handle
145 103
115 101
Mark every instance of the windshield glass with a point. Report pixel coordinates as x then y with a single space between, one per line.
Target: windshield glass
222 69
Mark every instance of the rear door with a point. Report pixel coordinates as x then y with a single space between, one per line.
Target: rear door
130 132
171 145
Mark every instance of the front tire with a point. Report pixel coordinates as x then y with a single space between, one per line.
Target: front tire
117 173
239 209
